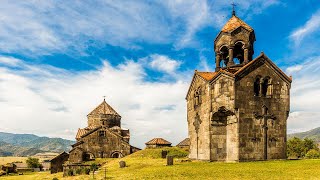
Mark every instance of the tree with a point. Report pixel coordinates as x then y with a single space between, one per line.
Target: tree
299 148
33 162
308 144
294 147
93 167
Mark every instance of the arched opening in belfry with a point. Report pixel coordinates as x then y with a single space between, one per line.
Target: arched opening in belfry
256 86
224 52
238 53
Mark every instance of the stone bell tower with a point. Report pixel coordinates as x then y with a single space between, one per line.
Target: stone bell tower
234 44
239 112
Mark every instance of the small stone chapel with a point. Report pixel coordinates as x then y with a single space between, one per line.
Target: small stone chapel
240 111
102 138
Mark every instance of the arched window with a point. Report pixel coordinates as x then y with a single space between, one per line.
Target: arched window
197 97
224 52
267 87
256 86
238 53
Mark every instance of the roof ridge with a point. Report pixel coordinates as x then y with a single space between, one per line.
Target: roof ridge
233 23
103 108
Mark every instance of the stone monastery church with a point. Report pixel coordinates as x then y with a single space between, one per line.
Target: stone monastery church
239 112
102 138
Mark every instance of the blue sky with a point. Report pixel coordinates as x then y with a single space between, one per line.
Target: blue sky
58 58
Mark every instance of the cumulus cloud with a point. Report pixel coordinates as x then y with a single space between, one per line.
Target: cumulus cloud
54 102
305 95
164 63
48 27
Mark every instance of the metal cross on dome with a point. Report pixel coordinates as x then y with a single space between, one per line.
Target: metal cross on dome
233 8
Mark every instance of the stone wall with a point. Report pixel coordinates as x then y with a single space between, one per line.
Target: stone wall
224 142
199 143
251 129
103 143
56 164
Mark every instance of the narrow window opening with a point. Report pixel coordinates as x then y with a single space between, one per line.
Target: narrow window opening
257 87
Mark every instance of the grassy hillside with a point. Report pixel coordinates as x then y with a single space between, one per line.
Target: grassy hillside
29 144
145 165
313 134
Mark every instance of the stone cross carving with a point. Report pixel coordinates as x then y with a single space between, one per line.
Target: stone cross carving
265 116
197 123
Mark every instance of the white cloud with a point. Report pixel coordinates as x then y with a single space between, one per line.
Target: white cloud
53 102
294 69
48 27
305 95
312 25
164 63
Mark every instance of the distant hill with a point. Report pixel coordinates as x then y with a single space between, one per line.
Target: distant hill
313 134
29 144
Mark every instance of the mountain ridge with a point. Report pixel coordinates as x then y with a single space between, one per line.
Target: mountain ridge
29 144
313 134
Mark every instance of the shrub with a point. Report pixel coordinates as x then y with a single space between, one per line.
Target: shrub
70 172
94 167
78 171
299 148
313 154
55 178
33 163
87 171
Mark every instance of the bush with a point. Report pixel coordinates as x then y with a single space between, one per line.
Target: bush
298 148
94 167
87 171
55 178
313 154
33 163
70 172
78 171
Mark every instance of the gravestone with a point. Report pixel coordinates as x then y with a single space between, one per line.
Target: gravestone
122 164
164 154
169 160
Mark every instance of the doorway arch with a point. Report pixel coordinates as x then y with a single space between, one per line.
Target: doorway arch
116 154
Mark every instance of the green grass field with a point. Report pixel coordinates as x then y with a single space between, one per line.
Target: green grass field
148 165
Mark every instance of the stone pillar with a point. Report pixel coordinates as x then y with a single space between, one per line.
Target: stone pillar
246 55
261 86
230 56
217 61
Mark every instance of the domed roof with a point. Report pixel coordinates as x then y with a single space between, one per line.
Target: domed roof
233 23
103 108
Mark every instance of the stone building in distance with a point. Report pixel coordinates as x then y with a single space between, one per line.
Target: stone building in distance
158 143
239 112
102 138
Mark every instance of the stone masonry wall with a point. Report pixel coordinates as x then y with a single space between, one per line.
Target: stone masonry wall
223 137
199 149
251 129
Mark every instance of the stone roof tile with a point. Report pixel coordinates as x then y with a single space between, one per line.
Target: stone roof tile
233 23
206 75
185 142
158 141
103 108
